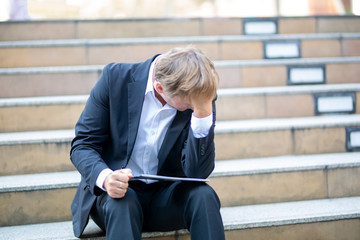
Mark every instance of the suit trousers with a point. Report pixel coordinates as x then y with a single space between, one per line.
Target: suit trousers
160 206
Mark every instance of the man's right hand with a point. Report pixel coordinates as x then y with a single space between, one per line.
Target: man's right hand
117 182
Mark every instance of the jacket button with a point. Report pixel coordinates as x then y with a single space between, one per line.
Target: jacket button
202 150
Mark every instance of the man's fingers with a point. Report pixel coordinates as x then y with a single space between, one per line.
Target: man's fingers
117 182
117 193
115 188
127 171
122 176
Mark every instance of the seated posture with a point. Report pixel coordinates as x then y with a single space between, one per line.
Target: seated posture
152 117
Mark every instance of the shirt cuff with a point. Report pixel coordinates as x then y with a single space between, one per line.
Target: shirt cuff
201 126
101 178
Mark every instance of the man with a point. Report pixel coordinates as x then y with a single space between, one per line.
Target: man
152 117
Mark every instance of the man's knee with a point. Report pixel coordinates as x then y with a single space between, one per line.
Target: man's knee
129 204
109 210
202 195
120 216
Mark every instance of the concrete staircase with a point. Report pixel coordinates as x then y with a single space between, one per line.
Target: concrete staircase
287 134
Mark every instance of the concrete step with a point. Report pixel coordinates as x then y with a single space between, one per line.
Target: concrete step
125 28
75 80
282 72
40 113
37 198
287 102
34 152
30 152
286 178
48 81
102 51
285 136
25 198
62 112
329 219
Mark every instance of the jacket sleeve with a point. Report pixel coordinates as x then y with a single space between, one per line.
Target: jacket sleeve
198 154
91 133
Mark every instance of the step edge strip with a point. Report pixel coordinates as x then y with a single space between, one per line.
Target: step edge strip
165 40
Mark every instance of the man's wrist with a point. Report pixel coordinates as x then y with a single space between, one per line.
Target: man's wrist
101 178
203 111
201 126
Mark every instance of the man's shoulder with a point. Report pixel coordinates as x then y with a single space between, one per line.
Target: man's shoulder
116 67
127 66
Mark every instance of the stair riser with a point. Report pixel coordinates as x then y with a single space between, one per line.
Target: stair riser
27 85
157 28
343 182
332 230
265 76
103 29
33 118
216 50
267 106
31 85
228 146
287 186
34 158
34 206
52 117
342 229
280 142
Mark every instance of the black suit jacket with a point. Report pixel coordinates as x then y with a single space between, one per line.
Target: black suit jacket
106 130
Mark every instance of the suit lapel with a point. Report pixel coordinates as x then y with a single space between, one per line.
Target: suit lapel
135 105
177 125
136 94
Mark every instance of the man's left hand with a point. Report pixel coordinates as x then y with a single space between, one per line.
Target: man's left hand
202 106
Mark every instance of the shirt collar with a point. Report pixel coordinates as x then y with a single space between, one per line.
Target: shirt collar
150 85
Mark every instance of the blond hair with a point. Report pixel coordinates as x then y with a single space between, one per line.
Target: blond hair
186 72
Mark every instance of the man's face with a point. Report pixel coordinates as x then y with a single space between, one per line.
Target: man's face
177 102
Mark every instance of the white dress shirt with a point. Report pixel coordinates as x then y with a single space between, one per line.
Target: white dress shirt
154 121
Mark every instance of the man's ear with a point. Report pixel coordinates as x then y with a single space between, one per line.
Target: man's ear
158 87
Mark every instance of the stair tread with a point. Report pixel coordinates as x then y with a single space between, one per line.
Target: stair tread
287 90
234 218
43 100
217 63
275 214
66 135
254 91
39 181
164 40
70 179
287 123
222 127
34 137
285 164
